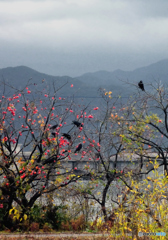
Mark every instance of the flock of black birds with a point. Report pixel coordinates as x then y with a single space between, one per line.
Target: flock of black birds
67 135
78 124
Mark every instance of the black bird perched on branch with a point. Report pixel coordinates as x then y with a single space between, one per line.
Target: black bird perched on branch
78 148
141 86
50 160
76 123
54 134
66 135
53 127
97 155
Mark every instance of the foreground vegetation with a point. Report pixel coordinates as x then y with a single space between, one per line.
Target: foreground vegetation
40 190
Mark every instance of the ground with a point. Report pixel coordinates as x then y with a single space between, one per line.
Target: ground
64 236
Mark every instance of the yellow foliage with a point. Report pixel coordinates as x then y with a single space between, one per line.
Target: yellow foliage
99 222
15 212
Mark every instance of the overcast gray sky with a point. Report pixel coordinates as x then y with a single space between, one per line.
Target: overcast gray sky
71 37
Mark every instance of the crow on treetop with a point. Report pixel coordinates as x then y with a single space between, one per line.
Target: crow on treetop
141 85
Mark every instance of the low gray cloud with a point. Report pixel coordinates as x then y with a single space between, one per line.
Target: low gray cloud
70 37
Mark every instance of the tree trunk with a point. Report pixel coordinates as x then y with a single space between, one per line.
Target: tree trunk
103 204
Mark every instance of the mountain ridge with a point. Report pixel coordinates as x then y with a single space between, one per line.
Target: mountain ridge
158 70
87 84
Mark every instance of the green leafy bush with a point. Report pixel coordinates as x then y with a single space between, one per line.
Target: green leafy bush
55 215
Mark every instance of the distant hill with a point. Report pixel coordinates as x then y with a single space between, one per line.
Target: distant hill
21 75
87 85
156 71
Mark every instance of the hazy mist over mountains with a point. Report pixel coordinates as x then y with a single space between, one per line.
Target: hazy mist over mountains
87 85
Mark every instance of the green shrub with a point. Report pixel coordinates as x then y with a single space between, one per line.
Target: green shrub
37 215
55 215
